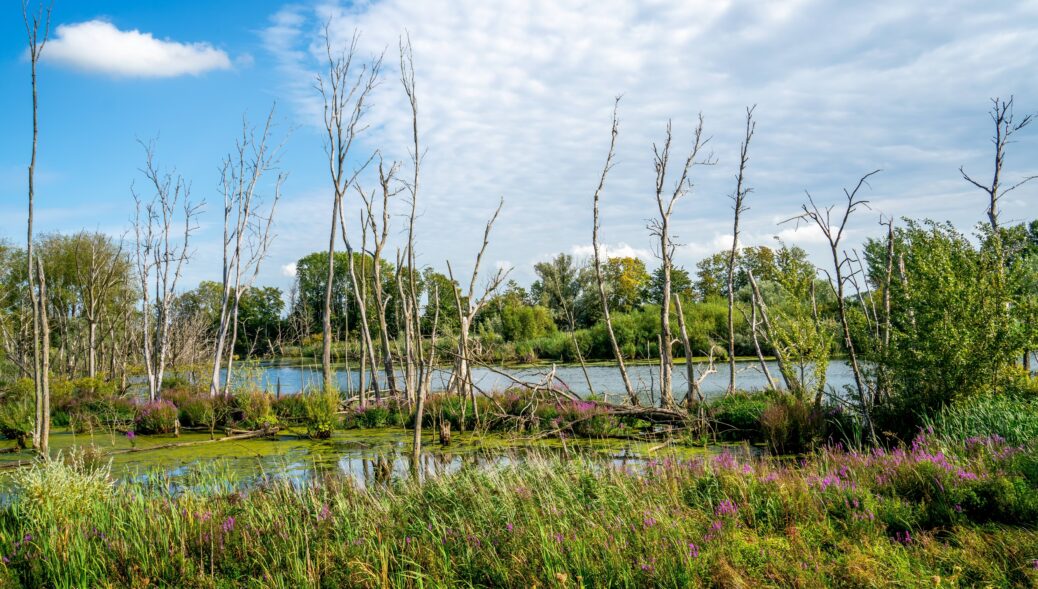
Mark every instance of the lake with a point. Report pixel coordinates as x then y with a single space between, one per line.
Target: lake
293 376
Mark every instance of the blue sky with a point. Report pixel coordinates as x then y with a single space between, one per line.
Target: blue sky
515 101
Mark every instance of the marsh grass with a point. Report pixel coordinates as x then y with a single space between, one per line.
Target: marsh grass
924 515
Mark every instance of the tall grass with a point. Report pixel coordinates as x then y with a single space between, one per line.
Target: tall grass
916 515
1014 419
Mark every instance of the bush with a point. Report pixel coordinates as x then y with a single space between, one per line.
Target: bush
156 417
255 410
790 425
737 416
321 413
291 408
17 411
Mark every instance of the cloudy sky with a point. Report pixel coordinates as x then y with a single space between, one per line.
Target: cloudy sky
515 102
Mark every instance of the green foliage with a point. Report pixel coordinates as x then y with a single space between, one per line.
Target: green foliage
1015 420
255 410
952 325
321 413
737 416
17 411
156 417
887 518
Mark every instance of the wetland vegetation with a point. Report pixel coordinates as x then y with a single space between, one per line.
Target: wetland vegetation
869 418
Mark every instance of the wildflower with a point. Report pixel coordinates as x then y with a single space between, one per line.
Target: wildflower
509 527
325 513
228 525
693 550
726 507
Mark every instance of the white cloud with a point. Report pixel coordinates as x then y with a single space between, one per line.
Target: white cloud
620 250
516 97
289 270
98 46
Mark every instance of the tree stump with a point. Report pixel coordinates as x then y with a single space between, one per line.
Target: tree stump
445 433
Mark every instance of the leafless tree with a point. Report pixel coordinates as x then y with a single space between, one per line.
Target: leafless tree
738 207
833 231
379 233
160 258
360 295
617 353
246 235
467 311
345 91
37 39
666 198
1006 125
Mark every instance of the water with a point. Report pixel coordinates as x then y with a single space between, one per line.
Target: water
291 378
368 457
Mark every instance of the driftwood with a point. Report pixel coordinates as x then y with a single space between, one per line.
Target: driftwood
244 435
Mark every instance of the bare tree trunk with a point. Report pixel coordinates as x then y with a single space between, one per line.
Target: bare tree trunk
467 313
693 388
784 369
632 396
41 336
344 96
739 206
44 446
752 320
660 228
379 235
834 234
1005 126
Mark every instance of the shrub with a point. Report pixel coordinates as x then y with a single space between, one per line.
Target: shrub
737 416
17 411
198 411
321 413
291 408
59 491
790 425
255 410
156 417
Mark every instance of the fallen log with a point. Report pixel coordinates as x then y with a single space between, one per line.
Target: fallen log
231 438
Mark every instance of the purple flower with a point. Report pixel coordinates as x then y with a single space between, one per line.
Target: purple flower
726 507
228 525
325 513
509 527
693 550
131 435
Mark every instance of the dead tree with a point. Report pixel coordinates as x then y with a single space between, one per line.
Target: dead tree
379 233
360 295
1006 125
693 389
345 92
160 259
833 231
631 394
666 198
37 285
246 235
738 207
467 311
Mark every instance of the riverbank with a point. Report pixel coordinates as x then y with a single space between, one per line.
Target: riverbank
932 514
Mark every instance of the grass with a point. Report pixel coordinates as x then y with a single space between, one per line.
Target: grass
931 514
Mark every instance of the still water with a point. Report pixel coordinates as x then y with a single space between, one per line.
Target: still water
292 377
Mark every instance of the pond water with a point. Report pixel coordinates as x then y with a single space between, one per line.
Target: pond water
290 377
368 457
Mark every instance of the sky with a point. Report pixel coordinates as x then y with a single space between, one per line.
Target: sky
515 103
